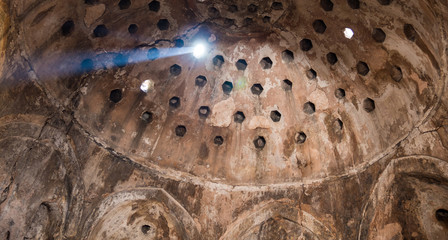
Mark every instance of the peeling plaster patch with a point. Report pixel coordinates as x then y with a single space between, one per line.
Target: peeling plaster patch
259 122
344 149
222 113
364 147
422 85
319 98
325 139
266 51
93 13
390 231
421 143
322 83
239 53
269 84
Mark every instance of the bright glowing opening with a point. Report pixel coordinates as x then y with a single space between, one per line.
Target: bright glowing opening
146 85
199 50
348 32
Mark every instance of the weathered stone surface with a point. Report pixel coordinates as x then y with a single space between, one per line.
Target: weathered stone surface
259 122
93 13
267 136
222 113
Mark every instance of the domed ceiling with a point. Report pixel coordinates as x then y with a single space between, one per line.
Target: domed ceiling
282 94
289 95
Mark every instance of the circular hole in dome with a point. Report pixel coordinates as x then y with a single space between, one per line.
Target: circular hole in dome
348 33
309 108
319 26
67 28
227 87
153 53
368 105
276 116
229 22
354 4
178 43
199 50
218 61
339 93
378 35
87 65
326 5
362 68
239 117
145 229
266 19
287 56
133 28
120 60
124 4
287 85
247 21
259 142
233 8
218 140
100 31
384 2
256 89
146 85
306 45
442 216
175 70
115 95
300 137
174 102
332 58
213 12
311 74
200 81
241 64
396 74
203 112
154 6
180 131
163 24
277 6
266 63
409 32
252 8
147 117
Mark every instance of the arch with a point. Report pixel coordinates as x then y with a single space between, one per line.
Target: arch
393 183
303 221
132 200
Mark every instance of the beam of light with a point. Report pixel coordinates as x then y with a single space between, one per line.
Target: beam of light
348 33
199 50
71 65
